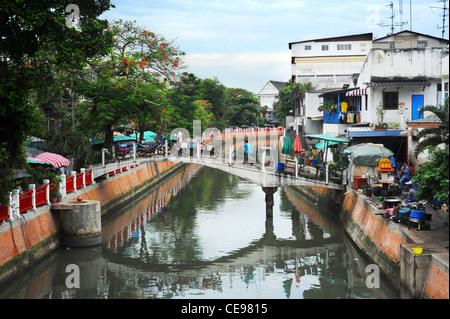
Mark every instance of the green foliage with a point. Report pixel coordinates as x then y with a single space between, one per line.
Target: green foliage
284 105
71 143
128 85
435 135
432 175
214 92
34 43
242 108
182 96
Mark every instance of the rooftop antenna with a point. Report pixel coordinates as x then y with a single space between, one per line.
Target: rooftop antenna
392 17
400 10
444 10
410 15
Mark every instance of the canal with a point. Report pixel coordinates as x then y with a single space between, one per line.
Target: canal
204 234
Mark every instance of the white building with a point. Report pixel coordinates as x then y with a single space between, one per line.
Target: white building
268 96
400 74
329 62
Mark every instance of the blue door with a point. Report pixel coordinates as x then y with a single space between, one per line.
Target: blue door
417 105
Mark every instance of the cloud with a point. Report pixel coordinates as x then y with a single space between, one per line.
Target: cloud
219 35
249 70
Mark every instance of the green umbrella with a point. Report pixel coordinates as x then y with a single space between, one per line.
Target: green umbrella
287 146
148 135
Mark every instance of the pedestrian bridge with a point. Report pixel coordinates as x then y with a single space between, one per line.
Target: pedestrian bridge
266 176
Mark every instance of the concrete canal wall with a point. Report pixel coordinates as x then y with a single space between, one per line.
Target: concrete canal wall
38 233
387 244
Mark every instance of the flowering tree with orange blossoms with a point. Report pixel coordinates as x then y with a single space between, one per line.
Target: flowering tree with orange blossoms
130 83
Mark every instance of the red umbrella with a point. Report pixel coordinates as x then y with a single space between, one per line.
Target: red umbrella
297 145
55 160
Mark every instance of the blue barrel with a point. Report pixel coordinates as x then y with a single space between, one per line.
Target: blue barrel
404 212
280 167
418 214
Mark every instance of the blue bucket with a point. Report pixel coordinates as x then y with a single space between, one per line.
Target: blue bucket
280 167
404 212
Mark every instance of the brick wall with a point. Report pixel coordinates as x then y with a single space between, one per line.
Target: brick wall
437 283
42 227
374 226
373 235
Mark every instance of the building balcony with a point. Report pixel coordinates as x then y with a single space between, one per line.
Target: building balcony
341 117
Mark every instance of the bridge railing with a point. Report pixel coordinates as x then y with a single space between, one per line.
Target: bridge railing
18 203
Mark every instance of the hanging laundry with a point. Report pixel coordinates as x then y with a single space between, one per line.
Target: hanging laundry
344 106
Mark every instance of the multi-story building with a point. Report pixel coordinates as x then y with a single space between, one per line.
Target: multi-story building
402 73
398 75
329 62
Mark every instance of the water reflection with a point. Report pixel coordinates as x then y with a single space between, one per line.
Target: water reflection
205 234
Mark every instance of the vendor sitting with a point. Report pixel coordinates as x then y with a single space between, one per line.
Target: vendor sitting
412 193
406 175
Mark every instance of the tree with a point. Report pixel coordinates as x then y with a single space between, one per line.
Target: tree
214 92
27 29
434 136
284 105
432 175
241 108
129 81
183 96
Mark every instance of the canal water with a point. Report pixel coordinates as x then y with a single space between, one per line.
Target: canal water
204 234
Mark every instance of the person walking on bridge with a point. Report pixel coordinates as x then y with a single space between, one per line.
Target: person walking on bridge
248 151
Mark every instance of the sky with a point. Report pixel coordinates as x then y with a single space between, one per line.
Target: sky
245 43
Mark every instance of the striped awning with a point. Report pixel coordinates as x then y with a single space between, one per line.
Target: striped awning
358 92
55 160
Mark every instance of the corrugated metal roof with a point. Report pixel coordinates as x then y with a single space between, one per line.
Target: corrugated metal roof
368 132
397 83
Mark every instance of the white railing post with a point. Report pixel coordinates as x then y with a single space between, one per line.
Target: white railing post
296 168
231 155
74 174
62 186
263 161
198 151
47 190
166 150
92 175
83 170
14 205
103 156
33 195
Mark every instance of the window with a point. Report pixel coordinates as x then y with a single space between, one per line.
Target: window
307 47
390 100
324 47
344 47
422 43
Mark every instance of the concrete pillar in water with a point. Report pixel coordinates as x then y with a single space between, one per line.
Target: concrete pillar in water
269 199
80 222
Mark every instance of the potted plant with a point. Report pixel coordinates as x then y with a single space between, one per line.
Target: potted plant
55 195
380 111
